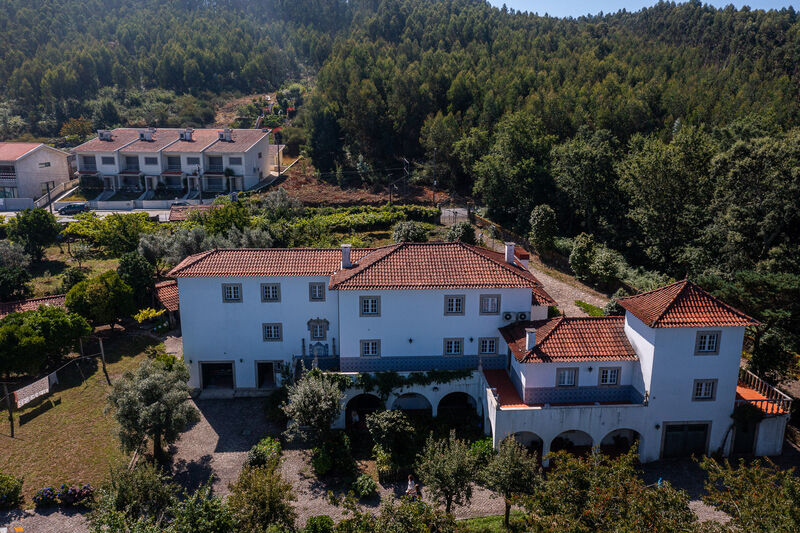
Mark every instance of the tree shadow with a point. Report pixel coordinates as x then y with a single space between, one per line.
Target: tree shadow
192 474
239 423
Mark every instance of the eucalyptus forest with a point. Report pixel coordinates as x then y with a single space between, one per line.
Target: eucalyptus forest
668 137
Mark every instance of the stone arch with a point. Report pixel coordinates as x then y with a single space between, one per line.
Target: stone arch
358 407
531 441
414 403
457 404
619 441
574 440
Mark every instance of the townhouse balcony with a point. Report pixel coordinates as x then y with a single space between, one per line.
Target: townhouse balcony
215 169
8 179
755 391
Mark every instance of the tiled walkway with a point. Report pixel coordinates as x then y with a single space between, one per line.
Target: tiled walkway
506 392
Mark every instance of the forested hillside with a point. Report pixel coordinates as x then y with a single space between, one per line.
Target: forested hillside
668 135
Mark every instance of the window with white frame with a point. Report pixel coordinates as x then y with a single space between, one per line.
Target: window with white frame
609 376
566 377
490 304
316 292
453 305
370 306
704 389
231 292
151 161
370 348
235 161
270 292
453 346
192 160
106 160
487 346
273 332
707 343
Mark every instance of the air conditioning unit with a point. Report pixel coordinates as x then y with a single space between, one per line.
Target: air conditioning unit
508 316
522 316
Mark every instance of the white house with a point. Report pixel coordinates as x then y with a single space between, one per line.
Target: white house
27 169
666 374
188 160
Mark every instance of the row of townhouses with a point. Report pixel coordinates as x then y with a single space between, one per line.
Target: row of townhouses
666 374
199 160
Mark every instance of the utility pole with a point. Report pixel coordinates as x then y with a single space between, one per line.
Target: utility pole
434 177
49 200
10 408
199 183
103 359
278 147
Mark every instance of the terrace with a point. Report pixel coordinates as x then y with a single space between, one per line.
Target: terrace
755 391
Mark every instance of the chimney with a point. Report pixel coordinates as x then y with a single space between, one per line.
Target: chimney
104 135
226 135
510 253
346 256
185 135
146 135
530 338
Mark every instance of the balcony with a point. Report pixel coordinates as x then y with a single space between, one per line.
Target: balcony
8 179
216 169
755 391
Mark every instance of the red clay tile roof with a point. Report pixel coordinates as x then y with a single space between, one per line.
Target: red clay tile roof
540 297
201 139
31 304
263 262
571 339
241 141
13 151
167 294
162 137
119 138
683 305
437 265
179 213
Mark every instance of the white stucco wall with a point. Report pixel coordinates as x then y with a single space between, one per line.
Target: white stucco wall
419 316
30 176
219 331
769 437
544 374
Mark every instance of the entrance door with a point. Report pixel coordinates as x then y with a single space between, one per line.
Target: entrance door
266 375
217 375
744 438
682 440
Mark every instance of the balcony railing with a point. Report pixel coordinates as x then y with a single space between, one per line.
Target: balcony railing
88 168
769 399
215 168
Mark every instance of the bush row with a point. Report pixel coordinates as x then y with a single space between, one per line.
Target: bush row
68 495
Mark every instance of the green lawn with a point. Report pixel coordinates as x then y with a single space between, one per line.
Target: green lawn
493 524
82 195
591 310
124 196
68 437
46 275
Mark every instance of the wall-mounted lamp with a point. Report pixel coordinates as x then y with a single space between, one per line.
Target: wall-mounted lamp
658 426
470 339
590 369
436 389
410 341
190 361
241 360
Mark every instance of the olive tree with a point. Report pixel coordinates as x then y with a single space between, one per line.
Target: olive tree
313 404
448 470
512 471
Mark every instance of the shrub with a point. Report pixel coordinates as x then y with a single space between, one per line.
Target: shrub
10 491
461 232
409 231
364 486
46 497
319 524
272 407
261 498
148 313
391 430
313 404
606 267
70 495
543 228
612 308
266 453
387 469
158 353
334 456
71 277
321 460
483 450
582 256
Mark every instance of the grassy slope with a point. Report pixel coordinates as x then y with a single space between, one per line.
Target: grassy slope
68 437
46 276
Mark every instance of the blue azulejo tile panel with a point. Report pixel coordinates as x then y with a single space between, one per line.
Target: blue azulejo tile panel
323 363
554 395
418 363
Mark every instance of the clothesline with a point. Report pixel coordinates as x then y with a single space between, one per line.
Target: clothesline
53 373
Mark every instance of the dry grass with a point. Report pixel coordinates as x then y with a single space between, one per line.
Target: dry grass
68 436
46 275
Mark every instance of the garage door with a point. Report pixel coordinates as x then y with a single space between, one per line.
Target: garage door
217 375
683 440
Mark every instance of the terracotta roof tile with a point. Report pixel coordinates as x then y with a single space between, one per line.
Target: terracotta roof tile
241 141
10 151
162 137
439 265
683 305
571 339
31 304
263 262
119 138
167 294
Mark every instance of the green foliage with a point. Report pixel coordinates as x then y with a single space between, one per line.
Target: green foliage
116 233
13 255
392 432
448 470
409 232
364 486
148 313
10 491
319 524
483 450
13 282
591 310
612 308
461 232
158 353
261 498
273 405
313 404
153 403
33 229
71 277
102 299
544 227
21 348
80 252
201 511
138 274
140 496
582 256
334 455
599 493
512 471
403 516
758 497
266 453
59 328
384 383
223 219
